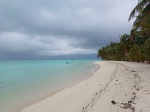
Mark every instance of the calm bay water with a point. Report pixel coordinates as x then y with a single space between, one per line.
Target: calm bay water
24 82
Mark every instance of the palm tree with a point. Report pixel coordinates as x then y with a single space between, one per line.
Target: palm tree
136 53
101 53
124 45
136 46
146 49
142 14
140 33
142 4
111 52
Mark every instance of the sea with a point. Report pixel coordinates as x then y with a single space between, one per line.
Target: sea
25 82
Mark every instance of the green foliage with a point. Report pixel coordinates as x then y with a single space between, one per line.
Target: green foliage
136 46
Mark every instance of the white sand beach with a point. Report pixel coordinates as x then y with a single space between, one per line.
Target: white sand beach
115 87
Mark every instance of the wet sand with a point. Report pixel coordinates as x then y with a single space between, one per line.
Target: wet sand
115 87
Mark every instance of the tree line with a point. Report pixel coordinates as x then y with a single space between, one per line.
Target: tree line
135 46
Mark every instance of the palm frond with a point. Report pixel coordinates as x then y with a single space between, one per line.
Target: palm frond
138 9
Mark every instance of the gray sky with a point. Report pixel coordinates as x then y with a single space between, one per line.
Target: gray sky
32 29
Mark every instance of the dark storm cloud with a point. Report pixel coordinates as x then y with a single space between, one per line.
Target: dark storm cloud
42 28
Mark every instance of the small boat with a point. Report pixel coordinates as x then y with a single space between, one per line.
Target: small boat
68 62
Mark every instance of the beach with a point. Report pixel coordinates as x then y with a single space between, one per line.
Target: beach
115 87
25 82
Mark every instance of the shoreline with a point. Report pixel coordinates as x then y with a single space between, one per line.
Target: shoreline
35 92
92 72
116 86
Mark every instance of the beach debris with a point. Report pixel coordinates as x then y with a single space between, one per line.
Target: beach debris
133 109
134 93
129 102
133 71
126 105
113 102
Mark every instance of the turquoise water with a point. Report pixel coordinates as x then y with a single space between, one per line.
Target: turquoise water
24 82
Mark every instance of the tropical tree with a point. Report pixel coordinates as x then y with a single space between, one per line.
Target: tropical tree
141 6
136 53
136 46
146 49
142 21
124 45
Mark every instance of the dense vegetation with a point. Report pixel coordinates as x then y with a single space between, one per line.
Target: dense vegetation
135 46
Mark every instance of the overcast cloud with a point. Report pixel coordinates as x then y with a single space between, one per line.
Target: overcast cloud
46 28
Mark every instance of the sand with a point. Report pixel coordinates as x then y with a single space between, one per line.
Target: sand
115 87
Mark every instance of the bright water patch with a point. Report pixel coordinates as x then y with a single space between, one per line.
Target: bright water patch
25 82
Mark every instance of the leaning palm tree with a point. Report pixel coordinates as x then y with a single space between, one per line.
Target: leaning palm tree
136 46
142 4
142 21
141 30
